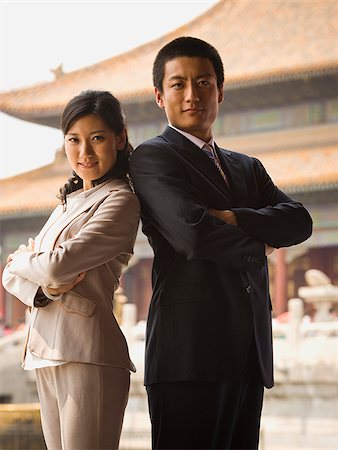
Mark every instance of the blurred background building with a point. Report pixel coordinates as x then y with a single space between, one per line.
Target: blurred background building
281 106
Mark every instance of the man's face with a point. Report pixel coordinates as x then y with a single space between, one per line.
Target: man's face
190 95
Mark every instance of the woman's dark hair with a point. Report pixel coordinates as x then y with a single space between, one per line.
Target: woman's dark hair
186 46
109 109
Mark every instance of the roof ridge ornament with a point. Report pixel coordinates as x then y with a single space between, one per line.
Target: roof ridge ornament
58 71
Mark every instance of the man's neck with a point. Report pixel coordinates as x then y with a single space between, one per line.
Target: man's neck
194 139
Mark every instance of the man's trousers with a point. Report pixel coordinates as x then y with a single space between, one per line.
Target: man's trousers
207 415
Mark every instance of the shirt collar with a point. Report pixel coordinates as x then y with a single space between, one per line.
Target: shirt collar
84 194
195 140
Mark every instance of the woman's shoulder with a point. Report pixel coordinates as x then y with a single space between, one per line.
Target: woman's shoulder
118 184
121 189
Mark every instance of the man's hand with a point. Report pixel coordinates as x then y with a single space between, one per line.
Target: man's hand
229 217
226 215
63 288
268 249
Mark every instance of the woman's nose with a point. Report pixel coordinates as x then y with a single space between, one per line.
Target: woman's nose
86 149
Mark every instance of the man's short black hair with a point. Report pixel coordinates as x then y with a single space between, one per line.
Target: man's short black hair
186 46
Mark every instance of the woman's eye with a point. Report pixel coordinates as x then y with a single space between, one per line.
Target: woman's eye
98 138
74 140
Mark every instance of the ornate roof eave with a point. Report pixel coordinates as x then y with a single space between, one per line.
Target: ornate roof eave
310 188
276 75
256 49
296 170
50 114
45 209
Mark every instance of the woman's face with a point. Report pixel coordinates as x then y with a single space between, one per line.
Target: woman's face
91 148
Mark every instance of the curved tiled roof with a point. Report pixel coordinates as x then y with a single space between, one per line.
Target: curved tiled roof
259 41
292 170
302 169
33 192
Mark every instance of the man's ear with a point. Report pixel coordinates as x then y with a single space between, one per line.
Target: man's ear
159 100
220 93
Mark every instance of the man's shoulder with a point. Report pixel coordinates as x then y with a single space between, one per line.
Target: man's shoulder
150 149
153 141
249 159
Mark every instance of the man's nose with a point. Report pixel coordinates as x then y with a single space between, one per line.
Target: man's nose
192 94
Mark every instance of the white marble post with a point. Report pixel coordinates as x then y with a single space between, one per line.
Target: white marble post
296 312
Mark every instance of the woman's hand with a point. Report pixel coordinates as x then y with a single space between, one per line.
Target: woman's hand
22 249
63 288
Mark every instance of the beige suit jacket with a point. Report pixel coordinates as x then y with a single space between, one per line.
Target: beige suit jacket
98 238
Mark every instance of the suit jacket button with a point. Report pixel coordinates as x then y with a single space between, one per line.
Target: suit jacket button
249 289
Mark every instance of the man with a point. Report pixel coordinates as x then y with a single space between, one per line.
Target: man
211 216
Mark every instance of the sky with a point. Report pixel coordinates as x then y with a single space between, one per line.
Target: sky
36 37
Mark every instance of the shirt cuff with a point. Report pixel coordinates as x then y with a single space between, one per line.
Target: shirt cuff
50 296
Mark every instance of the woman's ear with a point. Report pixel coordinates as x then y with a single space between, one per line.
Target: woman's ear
121 140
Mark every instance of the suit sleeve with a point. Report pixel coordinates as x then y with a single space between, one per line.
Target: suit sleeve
171 203
110 232
280 222
23 289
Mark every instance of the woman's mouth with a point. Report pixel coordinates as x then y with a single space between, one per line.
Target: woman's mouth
88 165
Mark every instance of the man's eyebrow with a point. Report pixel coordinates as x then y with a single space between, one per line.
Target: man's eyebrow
181 77
175 77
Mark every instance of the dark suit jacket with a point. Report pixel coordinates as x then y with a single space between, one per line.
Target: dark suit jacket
210 279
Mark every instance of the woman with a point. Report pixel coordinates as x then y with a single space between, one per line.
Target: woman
68 276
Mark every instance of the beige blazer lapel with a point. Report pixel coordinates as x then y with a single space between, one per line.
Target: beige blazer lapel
47 241
58 211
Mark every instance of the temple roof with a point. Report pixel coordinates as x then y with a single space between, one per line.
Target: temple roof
34 192
259 41
304 169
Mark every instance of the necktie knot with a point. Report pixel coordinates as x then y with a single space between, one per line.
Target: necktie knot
210 151
209 148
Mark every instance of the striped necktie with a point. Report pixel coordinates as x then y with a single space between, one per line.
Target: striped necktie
210 151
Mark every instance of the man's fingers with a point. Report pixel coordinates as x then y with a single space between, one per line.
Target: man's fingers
268 249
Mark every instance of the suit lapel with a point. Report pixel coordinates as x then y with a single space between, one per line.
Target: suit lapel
48 241
196 158
231 163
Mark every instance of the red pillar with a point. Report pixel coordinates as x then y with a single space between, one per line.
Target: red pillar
2 298
280 283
